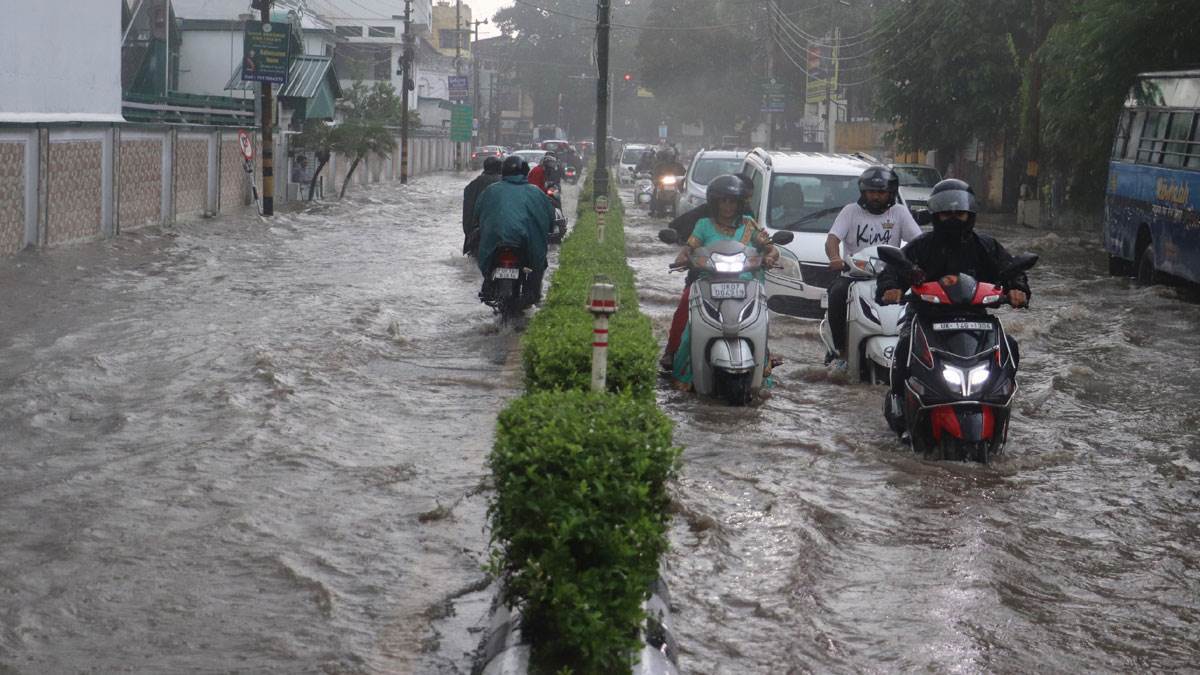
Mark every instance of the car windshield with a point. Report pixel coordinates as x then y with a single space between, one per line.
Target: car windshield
708 168
808 202
632 155
531 156
918 176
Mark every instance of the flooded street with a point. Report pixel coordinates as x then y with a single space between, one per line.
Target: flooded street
808 539
248 446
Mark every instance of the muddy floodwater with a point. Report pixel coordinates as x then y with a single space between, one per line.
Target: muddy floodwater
248 446
807 539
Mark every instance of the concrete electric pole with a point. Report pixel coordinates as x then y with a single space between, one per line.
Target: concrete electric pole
406 62
475 81
268 149
600 180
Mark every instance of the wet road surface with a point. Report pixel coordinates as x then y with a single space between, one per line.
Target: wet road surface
808 540
248 446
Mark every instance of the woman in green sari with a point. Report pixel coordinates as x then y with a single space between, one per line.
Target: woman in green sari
727 197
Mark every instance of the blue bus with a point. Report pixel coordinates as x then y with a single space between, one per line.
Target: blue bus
1152 203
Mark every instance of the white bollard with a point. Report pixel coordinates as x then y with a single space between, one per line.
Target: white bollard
602 303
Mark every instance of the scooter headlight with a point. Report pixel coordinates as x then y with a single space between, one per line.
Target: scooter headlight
668 180
966 381
729 263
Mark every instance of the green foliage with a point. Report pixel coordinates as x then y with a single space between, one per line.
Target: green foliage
579 521
557 350
378 104
1092 59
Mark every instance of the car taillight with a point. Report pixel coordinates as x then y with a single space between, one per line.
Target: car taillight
506 259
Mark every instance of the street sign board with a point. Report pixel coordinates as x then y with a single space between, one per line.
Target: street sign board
246 144
266 49
459 86
601 204
461 117
774 96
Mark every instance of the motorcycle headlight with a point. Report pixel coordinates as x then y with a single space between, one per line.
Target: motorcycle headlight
729 263
967 382
668 180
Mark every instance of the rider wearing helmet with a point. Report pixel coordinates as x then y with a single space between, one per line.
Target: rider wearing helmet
953 247
512 211
874 219
491 174
684 225
727 198
546 173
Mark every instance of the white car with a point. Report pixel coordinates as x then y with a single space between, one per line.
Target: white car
531 157
707 165
916 182
801 192
631 153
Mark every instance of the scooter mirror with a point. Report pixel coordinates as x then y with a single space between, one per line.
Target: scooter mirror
782 237
668 236
893 256
922 216
1019 265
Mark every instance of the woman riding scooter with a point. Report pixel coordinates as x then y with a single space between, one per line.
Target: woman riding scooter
726 196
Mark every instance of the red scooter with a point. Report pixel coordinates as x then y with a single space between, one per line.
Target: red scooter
962 367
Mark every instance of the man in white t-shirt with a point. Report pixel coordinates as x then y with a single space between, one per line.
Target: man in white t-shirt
875 219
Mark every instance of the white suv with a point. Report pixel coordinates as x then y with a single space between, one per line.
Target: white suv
801 192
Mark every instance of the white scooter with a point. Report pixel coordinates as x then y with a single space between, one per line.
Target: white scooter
643 190
872 329
728 318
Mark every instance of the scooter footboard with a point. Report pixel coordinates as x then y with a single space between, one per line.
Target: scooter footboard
732 354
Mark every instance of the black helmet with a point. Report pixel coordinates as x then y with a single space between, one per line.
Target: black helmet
878 179
514 165
732 185
491 165
949 196
549 160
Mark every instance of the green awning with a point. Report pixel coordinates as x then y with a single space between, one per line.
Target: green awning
305 76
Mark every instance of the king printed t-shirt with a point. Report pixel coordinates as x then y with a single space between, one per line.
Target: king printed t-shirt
858 228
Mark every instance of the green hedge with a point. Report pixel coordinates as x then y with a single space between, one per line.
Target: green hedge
557 347
579 516
579 519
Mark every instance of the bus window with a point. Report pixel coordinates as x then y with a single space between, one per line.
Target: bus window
1121 142
1178 133
1151 143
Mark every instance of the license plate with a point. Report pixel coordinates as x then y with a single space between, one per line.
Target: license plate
728 291
963 325
506 273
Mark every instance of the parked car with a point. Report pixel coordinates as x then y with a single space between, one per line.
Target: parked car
916 180
705 166
483 152
801 192
631 153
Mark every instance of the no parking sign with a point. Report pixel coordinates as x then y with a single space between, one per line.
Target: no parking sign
246 144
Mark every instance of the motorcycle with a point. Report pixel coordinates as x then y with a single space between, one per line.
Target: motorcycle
511 285
571 175
962 366
643 190
665 198
559 229
728 318
872 330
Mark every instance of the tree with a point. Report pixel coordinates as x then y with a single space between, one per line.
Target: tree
317 137
1093 56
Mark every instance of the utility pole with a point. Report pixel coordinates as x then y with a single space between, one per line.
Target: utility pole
771 9
600 184
458 70
475 82
406 66
830 104
268 149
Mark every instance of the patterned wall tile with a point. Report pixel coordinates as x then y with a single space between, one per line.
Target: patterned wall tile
140 183
191 176
235 190
73 211
12 197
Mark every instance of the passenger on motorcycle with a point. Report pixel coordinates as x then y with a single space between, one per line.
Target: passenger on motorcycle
684 225
726 198
875 219
953 247
514 212
491 174
546 173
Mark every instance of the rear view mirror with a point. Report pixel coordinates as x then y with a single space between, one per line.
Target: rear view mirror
909 273
922 216
1019 265
782 237
668 236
